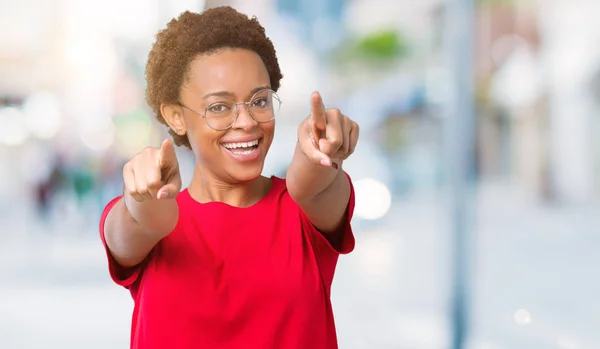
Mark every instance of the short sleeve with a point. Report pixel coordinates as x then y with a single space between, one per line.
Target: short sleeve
342 241
120 275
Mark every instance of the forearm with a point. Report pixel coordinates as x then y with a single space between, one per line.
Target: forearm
133 228
306 179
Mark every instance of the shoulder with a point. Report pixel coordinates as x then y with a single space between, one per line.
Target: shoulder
184 198
278 194
278 185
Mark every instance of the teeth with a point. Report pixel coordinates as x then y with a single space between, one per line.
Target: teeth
241 145
244 152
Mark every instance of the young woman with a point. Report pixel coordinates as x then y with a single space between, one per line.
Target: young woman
236 260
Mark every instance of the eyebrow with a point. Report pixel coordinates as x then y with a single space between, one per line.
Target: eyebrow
229 94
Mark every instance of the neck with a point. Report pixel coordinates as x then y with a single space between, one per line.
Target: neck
206 187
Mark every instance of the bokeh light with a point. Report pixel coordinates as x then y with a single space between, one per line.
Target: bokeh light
13 131
522 317
373 199
99 139
133 132
42 114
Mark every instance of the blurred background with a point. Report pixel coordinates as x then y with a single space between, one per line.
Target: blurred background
72 112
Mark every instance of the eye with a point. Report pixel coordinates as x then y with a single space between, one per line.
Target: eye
260 102
218 108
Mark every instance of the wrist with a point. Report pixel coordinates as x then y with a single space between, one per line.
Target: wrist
157 217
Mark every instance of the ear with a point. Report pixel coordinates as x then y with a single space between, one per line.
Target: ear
173 115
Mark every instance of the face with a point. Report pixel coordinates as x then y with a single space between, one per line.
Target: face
215 80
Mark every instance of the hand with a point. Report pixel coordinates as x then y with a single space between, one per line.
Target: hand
153 173
327 135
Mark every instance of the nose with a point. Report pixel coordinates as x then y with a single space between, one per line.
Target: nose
244 120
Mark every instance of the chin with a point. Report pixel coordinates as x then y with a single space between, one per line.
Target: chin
246 173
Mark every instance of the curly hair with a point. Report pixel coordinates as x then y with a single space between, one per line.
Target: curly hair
193 34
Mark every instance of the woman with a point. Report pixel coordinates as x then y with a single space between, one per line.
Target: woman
236 260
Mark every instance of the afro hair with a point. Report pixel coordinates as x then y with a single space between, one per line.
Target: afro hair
193 34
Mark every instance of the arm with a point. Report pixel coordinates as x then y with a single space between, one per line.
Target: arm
321 192
148 211
318 185
128 240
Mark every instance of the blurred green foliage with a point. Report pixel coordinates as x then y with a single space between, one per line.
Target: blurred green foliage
377 48
384 45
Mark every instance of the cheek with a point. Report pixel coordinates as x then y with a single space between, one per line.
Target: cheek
204 140
268 128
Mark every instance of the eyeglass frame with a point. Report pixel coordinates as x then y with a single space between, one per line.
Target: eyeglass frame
237 110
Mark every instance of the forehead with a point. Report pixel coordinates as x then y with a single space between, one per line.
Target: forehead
235 70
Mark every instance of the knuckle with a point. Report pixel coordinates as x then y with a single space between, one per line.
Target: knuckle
334 113
141 154
154 183
335 141
132 192
149 149
142 189
148 152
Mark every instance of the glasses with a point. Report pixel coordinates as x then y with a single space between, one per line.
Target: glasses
262 107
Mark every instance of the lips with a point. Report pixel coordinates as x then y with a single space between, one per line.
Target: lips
241 145
246 150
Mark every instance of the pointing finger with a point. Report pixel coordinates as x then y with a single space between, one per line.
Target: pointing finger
317 110
167 155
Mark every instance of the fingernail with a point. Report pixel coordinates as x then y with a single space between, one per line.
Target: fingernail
160 195
325 162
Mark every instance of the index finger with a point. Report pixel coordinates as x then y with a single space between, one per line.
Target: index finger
317 110
167 153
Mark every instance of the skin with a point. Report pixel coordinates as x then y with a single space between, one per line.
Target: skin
148 211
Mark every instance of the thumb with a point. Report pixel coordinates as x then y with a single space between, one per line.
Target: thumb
167 156
312 152
168 191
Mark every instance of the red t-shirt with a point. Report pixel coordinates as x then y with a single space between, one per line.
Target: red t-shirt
228 277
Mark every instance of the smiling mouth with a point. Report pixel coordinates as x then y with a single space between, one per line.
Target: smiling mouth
242 148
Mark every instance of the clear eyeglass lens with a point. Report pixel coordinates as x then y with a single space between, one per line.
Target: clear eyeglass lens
263 107
220 115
